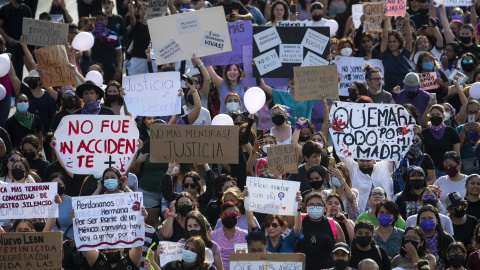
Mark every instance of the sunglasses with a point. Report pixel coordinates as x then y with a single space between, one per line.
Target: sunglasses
227 215
378 194
467 61
352 90
189 185
431 197
12 159
274 225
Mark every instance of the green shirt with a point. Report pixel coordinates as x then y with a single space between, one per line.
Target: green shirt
151 174
365 216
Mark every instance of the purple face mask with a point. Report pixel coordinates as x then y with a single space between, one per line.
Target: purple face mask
457 17
100 30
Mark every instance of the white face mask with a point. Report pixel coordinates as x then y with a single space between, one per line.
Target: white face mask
264 148
320 144
346 51
232 106
447 116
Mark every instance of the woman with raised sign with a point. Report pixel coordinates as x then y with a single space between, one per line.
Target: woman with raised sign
230 83
193 257
427 62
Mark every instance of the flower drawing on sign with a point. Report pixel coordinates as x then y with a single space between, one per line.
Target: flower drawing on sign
281 195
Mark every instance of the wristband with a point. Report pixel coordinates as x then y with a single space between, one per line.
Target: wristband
200 65
299 126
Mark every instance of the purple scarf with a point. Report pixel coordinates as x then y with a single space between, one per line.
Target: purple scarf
438 132
432 243
91 108
100 30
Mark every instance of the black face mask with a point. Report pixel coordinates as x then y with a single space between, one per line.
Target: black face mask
366 170
414 243
456 260
168 69
194 233
353 97
229 222
60 190
278 119
39 226
363 241
111 98
316 18
29 155
113 257
468 67
459 213
411 94
68 103
304 138
190 99
423 11
436 120
340 264
465 40
18 174
417 183
32 83
431 202
56 10
316 184
184 209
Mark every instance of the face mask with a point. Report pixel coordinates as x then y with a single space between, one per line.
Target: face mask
427 225
340 264
113 257
423 11
465 40
304 138
69 103
190 99
32 83
39 226
60 191
22 107
431 202
336 182
111 184
264 148
229 222
100 30
232 106
416 149
428 66
385 220
353 97
278 119
319 144
452 171
363 241
414 243
316 18
366 170
346 51
457 17
468 67
184 209
316 212
417 184
456 260
194 233
111 98
459 213
447 116
436 120
189 256
411 94
18 174
316 184
29 155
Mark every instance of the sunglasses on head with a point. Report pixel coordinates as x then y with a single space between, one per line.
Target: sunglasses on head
189 185
226 215
12 159
431 197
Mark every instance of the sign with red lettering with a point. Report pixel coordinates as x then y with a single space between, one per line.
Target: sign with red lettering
89 144
32 200
396 7
427 80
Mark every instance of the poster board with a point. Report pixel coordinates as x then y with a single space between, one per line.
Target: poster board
285 155
374 13
357 12
350 69
194 144
108 221
153 94
311 83
276 50
248 80
29 200
172 251
156 8
396 8
203 32
457 3
89 144
371 131
427 80
31 250
274 261
54 67
240 33
44 33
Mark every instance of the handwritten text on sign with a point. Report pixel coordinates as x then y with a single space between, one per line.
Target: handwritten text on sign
371 131
272 265
313 82
44 33
54 67
35 200
284 155
88 144
156 8
31 250
373 12
350 69
457 3
198 143
396 7
172 251
108 221
272 196
153 94
427 80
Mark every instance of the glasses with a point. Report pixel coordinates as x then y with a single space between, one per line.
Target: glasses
274 225
189 185
467 61
312 206
227 215
431 197
185 203
378 194
22 101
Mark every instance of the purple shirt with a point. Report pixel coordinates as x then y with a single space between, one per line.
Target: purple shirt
420 101
227 246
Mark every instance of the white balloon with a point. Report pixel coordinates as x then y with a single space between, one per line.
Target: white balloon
95 76
83 41
222 120
333 26
254 99
4 64
3 92
474 90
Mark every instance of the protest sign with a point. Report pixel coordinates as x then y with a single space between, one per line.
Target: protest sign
44 33
272 196
156 8
294 23
285 155
311 83
153 94
350 69
270 261
108 221
371 131
312 59
31 250
32 200
240 35
458 76
318 115
194 143
276 50
203 32
248 80
89 144
457 3
427 80
172 251
396 8
54 67
374 13
357 12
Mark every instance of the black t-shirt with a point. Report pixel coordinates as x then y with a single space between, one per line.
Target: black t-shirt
141 38
103 51
178 232
17 131
474 49
13 19
228 9
378 254
408 204
437 148
124 264
473 208
116 24
213 211
463 233
180 265
45 106
419 20
57 118
301 176
6 139
426 164
38 165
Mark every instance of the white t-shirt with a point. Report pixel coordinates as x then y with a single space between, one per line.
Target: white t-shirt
446 223
203 118
447 186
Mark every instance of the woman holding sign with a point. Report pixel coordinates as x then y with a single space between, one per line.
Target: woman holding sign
193 257
231 82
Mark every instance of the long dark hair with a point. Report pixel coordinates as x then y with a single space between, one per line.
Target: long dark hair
203 223
408 190
363 224
438 227
120 100
422 250
285 7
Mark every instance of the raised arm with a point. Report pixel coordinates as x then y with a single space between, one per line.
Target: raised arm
326 120
249 214
131 11
408 33
197 104
28 58
437 35
462 114
449 37
217 80
297 228
14 80
68 16
171 6
426 114
197 62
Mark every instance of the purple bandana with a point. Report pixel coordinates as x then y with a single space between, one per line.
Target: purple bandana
438 132
91 108
100 30
432 243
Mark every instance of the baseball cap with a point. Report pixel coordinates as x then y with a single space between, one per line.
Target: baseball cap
411 82
33 74
341 246
454 199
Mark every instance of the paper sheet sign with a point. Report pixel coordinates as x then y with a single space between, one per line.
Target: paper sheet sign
270 261
357 12
427 80
89 144
44 33
272 196
284 155
32 200
153 94
313 82
54 67
374 13
371 131
248 80
31 250
156 8
108 221
396 7
457 3
203 32
350 69
172 251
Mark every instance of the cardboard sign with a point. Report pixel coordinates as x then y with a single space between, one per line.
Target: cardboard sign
271 261
248 80
374 13
44 33
313 82
108 221
153 94
396 7
371 131
194 143
350 69
357 12
285 155
272 196
89 144
31 250
172 251
156 8
276 50
427 80
457 3
203 32
33 200
54 67
240 35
